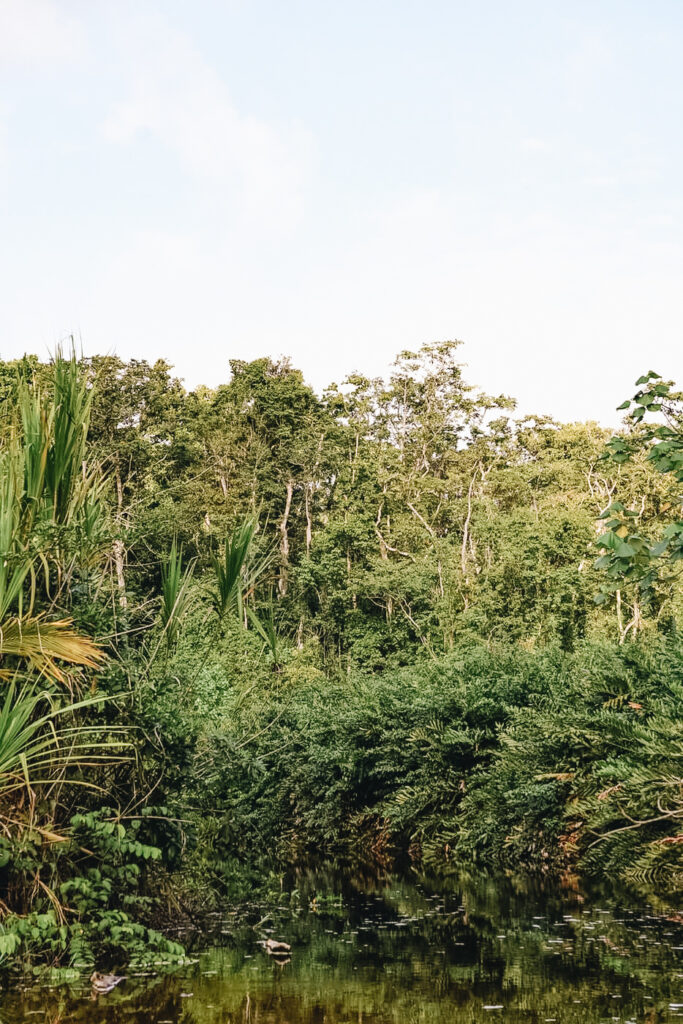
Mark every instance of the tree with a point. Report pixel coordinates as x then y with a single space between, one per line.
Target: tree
643 539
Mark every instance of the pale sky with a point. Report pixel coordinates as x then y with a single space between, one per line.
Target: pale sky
200 180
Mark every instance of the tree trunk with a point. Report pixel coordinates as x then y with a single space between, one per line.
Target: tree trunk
466 529
119 552
118 547
309 522
284 540
354 598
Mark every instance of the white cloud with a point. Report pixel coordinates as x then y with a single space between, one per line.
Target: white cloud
38 32
534 145
589 66
4 118
602 181
175 96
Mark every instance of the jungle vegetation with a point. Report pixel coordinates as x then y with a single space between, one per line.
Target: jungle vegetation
248 628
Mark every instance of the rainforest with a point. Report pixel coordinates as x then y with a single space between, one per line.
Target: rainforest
252 631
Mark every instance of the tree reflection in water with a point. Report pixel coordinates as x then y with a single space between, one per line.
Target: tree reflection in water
405 953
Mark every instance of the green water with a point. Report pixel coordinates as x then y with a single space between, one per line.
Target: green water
403 953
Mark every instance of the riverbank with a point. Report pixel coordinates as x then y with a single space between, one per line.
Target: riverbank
545 762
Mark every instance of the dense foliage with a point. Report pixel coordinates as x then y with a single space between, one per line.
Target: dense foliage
250 627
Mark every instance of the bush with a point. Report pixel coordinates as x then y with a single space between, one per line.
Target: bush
497 757
98 913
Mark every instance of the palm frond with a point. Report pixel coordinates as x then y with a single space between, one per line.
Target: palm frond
15 561
35 747
266 628
42 644
175 591
36 425
228 594
65 479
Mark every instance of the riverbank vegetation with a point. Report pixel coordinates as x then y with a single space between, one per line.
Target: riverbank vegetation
250 628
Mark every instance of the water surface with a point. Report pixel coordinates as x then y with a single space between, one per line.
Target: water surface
402 953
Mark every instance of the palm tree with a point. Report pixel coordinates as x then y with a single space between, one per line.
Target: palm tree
45 486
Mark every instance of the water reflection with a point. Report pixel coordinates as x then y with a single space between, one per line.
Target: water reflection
404 954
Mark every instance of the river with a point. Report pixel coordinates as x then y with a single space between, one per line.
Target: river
403 953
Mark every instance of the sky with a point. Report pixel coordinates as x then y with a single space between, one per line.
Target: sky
201 180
